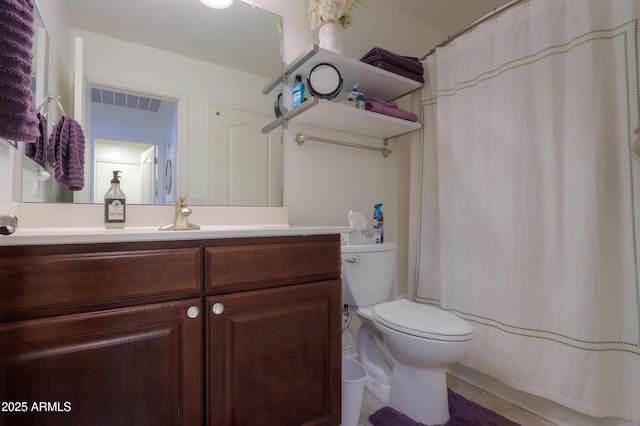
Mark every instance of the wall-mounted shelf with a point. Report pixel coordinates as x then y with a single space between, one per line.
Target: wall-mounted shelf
353 71
372 81
335 116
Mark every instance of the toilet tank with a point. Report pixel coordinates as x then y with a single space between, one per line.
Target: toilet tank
368 273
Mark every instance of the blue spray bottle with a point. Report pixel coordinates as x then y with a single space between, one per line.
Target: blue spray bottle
378 220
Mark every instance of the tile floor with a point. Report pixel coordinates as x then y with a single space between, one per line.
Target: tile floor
485 399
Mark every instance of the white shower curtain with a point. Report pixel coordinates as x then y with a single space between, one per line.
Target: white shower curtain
530 210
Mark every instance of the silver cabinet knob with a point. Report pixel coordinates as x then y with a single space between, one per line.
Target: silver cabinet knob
193 312
217 308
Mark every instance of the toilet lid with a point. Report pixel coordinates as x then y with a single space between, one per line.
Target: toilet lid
422 321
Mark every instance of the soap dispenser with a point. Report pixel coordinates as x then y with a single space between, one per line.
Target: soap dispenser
114 204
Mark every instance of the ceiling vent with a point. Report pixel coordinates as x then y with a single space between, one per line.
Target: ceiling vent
124 99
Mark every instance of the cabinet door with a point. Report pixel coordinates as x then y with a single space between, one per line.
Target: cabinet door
274 356
133 366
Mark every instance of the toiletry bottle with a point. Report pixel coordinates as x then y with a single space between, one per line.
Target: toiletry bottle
378 220
298 91
360 103
114 204
353 96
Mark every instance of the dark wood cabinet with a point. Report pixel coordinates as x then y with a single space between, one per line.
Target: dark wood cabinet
277 353
138 365
127 333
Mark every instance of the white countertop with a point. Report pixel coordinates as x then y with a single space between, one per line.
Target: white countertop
45 236
64 223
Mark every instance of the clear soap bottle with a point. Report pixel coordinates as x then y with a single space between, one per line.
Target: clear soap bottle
114 204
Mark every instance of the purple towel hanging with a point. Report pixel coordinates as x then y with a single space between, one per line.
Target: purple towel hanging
18 119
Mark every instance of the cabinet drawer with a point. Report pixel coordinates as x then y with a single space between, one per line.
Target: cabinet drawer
241 267
32 285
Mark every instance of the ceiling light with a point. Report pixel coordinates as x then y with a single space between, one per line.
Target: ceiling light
217 4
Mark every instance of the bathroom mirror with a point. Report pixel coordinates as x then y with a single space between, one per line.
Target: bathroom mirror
211 64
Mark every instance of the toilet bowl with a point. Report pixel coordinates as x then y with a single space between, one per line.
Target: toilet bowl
404 345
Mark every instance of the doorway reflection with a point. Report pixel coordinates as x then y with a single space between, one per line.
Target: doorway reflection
137 134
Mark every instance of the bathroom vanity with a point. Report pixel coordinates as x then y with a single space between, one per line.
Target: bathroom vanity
204 331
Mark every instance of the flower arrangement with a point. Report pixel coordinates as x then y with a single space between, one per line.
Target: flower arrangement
338 11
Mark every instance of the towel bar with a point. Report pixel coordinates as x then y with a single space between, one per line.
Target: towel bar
300 139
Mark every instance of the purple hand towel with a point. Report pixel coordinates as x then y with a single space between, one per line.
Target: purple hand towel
66 152
36 151
393 112
17 111
408 63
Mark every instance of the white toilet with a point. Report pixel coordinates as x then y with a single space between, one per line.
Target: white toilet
405 346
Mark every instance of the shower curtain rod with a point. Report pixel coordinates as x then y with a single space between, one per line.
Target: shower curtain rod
474 24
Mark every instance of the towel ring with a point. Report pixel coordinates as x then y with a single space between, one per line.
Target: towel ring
46 101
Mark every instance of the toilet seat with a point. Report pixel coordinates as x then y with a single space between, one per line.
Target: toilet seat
422 321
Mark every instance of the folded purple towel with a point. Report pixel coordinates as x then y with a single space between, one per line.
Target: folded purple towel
385 103
407 63
398 70
17 111
393 112
66 152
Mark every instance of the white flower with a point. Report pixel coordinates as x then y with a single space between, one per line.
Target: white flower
339 11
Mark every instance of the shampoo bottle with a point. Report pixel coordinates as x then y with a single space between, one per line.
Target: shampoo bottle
378 220
298 91
114 204
353 96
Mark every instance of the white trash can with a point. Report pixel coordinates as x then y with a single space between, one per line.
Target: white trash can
353 377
